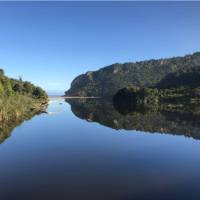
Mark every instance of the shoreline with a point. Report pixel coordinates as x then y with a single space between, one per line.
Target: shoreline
80 97
72 97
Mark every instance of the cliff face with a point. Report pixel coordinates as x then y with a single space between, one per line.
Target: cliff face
108 80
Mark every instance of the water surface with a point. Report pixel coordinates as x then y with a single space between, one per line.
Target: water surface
93 152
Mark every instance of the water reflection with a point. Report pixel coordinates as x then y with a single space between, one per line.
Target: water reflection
129 117
61 157
7 127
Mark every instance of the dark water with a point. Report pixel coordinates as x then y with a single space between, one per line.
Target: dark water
94 153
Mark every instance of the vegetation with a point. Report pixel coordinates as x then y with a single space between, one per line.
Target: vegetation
19 100
176 89
184 77
152 73
10 87
180 96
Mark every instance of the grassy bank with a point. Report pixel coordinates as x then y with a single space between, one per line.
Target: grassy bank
18 106
15 109
19 100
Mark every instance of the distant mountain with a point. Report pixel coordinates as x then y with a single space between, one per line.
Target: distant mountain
152 73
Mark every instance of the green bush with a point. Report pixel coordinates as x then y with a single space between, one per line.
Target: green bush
10 87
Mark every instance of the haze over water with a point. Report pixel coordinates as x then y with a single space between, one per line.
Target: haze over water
61 156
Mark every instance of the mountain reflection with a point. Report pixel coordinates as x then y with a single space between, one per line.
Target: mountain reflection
176 122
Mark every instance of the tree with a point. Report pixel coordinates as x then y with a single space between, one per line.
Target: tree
39 93
1 72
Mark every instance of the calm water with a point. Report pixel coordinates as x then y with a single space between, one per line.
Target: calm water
93 153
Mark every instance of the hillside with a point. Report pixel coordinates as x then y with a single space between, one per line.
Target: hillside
183 77
19 100
108 80
179 88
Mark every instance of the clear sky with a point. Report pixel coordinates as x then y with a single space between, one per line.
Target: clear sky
50 43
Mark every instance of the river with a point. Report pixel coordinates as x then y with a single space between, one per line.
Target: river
78 152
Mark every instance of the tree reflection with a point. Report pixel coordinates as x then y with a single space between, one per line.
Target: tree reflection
179 121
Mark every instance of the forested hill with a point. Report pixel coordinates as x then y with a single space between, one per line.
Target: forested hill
108 80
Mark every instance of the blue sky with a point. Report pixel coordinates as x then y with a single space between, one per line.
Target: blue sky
50 43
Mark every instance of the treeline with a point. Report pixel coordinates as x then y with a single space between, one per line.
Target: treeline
9 87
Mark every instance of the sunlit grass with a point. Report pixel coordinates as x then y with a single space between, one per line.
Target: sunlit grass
17 106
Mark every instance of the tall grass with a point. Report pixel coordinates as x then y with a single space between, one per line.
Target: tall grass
17 106
15 109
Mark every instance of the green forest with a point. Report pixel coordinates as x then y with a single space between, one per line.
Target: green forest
180 88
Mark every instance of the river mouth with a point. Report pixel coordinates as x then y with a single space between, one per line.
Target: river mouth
86 152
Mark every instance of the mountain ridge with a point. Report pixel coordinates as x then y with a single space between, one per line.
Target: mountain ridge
108 80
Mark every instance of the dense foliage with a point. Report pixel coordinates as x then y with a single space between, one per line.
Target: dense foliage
179 88
108 80
19 100
9 87
185 77
172 97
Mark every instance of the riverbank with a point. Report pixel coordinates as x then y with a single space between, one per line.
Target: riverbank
14 107
17 108
80 97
